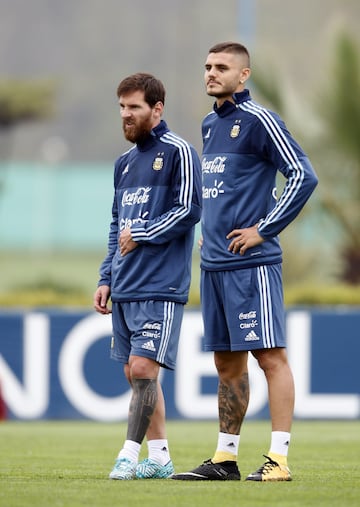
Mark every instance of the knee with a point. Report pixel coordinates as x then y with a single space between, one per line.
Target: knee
143 368
231 365
271 359
127 373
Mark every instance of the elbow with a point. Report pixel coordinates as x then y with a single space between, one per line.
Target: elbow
314 180
195 213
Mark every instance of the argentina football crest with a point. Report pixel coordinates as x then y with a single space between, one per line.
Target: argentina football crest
235 130
158 163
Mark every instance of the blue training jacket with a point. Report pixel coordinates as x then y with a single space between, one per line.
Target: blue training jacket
158 196
244 147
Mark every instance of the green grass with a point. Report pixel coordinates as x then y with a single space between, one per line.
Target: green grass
67 464
43 279
49 279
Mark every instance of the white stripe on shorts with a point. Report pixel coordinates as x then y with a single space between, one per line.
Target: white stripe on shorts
265 307
166 330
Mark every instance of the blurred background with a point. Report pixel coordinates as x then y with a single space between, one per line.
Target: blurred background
60 129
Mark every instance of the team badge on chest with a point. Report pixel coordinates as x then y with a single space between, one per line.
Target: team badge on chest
158 162
235 130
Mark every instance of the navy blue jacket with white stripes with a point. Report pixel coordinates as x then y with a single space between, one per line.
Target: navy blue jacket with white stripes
244 147
157 194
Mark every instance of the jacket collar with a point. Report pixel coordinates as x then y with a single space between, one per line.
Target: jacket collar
228 107
155 133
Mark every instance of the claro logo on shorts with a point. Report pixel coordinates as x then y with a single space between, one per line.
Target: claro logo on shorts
247 325
151 330
250 318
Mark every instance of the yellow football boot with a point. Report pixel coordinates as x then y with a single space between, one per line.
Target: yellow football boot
270 471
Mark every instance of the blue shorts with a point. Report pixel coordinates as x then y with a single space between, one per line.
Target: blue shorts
243 309
147 329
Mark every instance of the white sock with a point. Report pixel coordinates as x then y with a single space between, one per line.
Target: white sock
280 441
130 450
228 443
159 451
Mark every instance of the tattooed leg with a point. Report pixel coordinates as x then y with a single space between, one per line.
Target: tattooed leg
142 406
233 391
233 399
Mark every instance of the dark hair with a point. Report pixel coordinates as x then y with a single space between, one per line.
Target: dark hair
231 47
153 88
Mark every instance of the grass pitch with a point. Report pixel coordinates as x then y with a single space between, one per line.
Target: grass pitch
67 464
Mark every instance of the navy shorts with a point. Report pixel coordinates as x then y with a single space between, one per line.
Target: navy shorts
147 329
243 309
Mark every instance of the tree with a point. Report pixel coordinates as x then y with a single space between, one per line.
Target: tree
340 109
336 148
22 101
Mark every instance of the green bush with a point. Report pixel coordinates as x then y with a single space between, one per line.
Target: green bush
50 294
322 295
45 293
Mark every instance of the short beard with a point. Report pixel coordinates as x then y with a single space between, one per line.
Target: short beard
136 136
137 133
217 95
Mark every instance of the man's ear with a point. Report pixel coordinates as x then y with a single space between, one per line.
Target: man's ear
158 108
245 74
